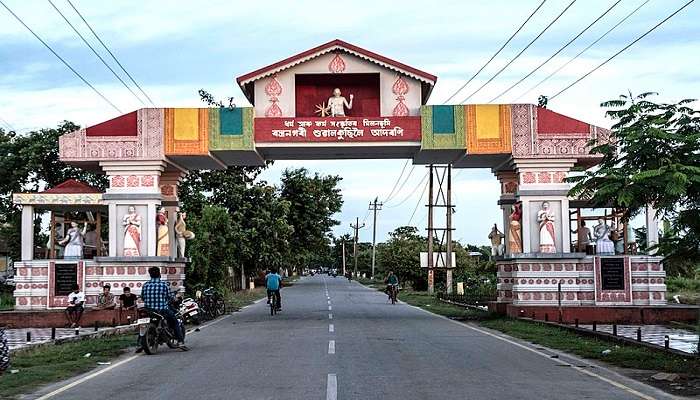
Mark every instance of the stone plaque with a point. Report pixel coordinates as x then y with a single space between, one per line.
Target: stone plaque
65 276
612 273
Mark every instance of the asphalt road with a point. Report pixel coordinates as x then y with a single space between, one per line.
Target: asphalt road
340 340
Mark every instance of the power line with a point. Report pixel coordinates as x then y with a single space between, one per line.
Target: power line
94 52
497 52
397 180
582 51
623 49
417 204
60 58
410 172
557 52
110 52
520 53
410 194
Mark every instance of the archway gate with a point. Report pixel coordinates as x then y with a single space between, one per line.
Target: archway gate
529 149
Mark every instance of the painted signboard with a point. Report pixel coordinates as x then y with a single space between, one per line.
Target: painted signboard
338 129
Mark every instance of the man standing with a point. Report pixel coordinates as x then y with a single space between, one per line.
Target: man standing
74 311
273 281
156 296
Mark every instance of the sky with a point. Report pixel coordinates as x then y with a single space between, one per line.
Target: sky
174 48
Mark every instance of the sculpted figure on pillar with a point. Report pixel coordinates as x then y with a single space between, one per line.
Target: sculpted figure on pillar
337 103
515 231
545 218
132 233
182 234
163 241
496 238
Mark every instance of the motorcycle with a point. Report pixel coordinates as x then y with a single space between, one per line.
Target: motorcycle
189 309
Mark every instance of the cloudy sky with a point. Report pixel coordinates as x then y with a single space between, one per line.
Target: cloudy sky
174 48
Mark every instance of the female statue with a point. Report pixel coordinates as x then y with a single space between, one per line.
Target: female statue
74 241
545 217
603 244
163 241
132 233
514 233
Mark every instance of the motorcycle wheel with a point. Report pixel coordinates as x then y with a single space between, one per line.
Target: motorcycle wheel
149 342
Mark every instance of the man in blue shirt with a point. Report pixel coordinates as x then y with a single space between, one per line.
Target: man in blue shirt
156 296
273 281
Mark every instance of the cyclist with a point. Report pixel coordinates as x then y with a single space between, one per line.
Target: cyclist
273 281
392 282
157 297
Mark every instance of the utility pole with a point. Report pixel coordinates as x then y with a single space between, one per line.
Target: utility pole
356 227
374 206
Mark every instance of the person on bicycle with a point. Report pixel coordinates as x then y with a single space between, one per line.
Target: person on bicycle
157 297
392 282
273 281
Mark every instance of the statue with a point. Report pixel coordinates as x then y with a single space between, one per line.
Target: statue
132 233
603 243
515 232
337 104
182 234
74 241
496 238
163 240
545 217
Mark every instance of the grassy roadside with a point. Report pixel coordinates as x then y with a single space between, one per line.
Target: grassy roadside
46 364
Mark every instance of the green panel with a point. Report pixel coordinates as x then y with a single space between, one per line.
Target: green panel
227 134
231 121
443 119
433 117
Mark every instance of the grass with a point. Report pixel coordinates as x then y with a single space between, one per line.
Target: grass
46 364
7 301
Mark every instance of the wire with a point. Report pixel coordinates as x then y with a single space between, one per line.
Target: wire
623 49
61 58
95 52
110 52
412 192
583 51
417 204
557 52
497 52
403 183
397 180
520 53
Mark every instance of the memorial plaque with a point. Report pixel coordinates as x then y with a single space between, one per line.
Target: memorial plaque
612 273
65 276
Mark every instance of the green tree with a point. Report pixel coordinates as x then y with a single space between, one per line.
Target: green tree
654 158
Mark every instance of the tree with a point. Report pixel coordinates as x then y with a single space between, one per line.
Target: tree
653 159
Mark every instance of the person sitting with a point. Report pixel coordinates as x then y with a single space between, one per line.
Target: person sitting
105 300
74 311
127 300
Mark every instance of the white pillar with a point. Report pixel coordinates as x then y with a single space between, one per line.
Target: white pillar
652 229
27 233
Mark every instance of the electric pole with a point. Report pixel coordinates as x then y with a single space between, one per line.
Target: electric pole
374 206
356 227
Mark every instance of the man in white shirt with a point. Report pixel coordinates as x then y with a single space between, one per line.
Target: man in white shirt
74 311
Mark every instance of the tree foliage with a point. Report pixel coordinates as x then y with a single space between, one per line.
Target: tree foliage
654 158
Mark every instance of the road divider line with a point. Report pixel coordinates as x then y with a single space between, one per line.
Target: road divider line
331 347
332 387
331 328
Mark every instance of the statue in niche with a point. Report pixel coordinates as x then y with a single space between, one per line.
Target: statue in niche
515 231
74 241
545 218
132 233
603 244
163 241
338 103
182 234
496 238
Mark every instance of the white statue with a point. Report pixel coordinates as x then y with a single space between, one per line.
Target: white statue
132 233
74 241
496 238
182 234
603 244
337 103
545 217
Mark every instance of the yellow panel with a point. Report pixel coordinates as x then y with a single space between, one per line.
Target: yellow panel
186 124
487 121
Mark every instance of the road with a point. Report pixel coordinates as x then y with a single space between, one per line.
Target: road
336 339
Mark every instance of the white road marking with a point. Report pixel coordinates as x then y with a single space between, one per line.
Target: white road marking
332 387
331 347
330 308
331 328
330 316
545 355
